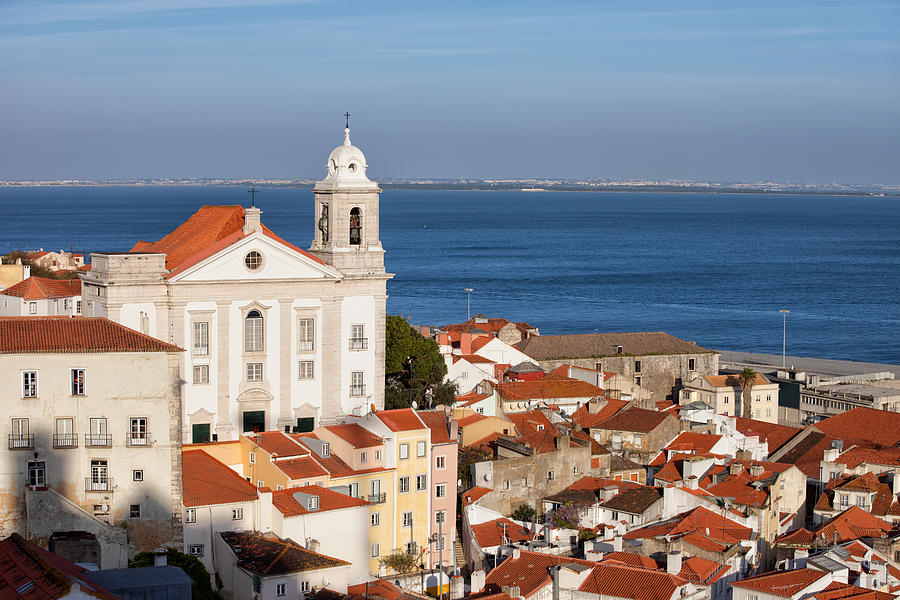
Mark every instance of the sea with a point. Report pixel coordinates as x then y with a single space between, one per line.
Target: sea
712 268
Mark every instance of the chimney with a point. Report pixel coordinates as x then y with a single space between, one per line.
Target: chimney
617 543
517 553
477 581
756 470
159 558
595 406
673 562
554 573
512 591
736 468
691 483
465 343
454 429
251 220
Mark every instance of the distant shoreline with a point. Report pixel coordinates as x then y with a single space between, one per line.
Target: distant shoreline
869 191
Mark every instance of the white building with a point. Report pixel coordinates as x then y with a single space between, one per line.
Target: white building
723 393
40 296
276 336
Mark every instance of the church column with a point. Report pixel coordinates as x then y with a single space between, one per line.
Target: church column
332 364
224 428
286 352
175 313
380 340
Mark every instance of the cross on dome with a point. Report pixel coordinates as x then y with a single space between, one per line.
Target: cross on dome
347 163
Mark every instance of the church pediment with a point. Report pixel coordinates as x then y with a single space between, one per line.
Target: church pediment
258 256
255 395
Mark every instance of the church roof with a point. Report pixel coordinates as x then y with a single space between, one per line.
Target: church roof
207 231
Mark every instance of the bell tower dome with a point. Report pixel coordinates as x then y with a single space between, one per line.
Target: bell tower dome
345 227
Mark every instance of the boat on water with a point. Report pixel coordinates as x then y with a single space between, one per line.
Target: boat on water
532 189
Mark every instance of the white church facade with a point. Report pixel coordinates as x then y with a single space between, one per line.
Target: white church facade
275 336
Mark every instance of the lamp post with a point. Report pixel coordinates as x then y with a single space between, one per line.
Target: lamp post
784 313
469 303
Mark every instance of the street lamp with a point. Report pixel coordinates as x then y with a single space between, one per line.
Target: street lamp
784 313
468 303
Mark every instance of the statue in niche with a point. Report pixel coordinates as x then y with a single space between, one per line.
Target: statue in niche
323 224
355 227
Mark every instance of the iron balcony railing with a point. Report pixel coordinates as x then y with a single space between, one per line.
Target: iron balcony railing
138 439
98 484
21 441
359 343
358 390
306 346
65 440
378 498
97 440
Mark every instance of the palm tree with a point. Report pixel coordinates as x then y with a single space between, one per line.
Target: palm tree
746 379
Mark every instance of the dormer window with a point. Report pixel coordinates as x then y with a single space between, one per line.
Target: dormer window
355 226
313 503
326 449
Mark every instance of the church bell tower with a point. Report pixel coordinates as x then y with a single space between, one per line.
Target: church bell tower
346 231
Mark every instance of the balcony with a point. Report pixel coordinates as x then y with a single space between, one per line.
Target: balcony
21 441
98 484
306 346
65 440
359 343
137 440
358 390
378 498
96 440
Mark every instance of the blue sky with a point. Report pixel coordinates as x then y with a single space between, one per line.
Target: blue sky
719 90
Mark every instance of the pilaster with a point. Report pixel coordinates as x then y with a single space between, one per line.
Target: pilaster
332 377
286 362
224 426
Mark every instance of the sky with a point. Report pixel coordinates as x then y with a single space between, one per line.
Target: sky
778 90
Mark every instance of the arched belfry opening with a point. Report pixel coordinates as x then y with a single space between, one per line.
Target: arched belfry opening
355 226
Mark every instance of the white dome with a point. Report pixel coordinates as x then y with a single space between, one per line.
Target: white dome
346 163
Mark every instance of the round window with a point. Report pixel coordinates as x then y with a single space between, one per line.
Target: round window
352 167
253 260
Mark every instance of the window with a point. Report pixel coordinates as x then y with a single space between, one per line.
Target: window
768 397
326 449
98 436
304 586
237 514
440 490
440 516
138 434
99 480
37 475
725 400
20 436
362 457
420 449
357 383
190 515
758 398
201 338
404 484
260 483
768 412
375 518
440 543
407 519
77 379
439 462
254 371
32 308
195 549
378 455
637 381
254 340
307 369
411 547
421 482
506 484
78 306
404 451
137 475
354 490
575 470
280 589
376 550
845 500
551 475
637 366
29 384
253 260
134 511
65 304
306 335
201 374
358 339
313 503
691 364
355 219
252 457
540 427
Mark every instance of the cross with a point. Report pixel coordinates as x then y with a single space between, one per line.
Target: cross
253 192
347 122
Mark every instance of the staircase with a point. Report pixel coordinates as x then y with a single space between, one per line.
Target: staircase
458 551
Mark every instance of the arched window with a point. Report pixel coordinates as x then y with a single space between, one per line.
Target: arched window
355 226
254 340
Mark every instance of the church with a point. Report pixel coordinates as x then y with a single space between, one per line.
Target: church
274 336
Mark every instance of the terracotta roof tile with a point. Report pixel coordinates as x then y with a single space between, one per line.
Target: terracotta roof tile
356 435
438 424
400 419
691 442
857 455
775 435
301 468
473 495
530 421
206 481
635 419
288 506
545 389
493 325
65 335
529 571
596 345
268 555
798 537
621 581
734 380
597 483
278 444
864 424
583 416
491 533
43 288
701 570
631 559
853 523
634 500
471 398
470 419
839 591
781 583
714 528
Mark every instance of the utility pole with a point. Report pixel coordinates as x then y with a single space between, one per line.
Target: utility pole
469 303
784 313
441 559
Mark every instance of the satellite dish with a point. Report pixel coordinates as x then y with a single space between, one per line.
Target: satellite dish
415 405
459 483
324 581
487 477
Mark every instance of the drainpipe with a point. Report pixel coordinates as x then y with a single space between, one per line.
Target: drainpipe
554 573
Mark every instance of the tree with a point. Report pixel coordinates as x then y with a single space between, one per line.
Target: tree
399 561
747 378
566 516
201 588
524 513
413 367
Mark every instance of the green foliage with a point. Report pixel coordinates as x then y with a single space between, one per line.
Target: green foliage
399 561
524 513
586 534
201 588
414 368
469 455
747 378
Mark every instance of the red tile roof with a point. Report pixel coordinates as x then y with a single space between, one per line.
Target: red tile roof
798 537
471 398
66 335
400 419
597 483
470 419
472 358
690 442
437 422
734 380
621 581
268 555
583 416
474 494
544 389
864 424
493 325
356 435
775 435
853 523
288 506
530 421
301 468
840 591
278 444
492 533
41 575
635 419
695 526
631 559
701 570
43 288
206 481
529 571
875 456
781 583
